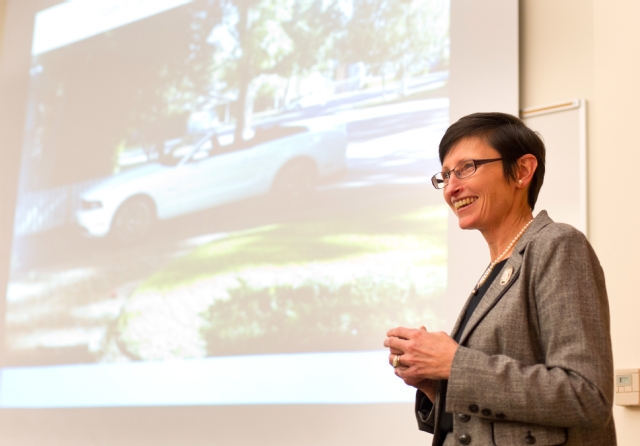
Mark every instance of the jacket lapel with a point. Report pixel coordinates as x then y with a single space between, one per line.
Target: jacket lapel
497 289
493 295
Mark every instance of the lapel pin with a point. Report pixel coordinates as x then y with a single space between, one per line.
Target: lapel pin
506 275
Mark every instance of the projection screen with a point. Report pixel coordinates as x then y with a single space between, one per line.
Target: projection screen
214 209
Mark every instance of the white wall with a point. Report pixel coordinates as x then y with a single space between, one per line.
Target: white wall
589 49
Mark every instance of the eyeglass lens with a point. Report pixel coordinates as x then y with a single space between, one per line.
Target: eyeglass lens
462 170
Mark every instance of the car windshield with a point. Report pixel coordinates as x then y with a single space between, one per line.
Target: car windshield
266 134
199 147
176 150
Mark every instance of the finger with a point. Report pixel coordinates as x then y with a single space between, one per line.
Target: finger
400 371
396 344
423 328
400 332
395 351
392 359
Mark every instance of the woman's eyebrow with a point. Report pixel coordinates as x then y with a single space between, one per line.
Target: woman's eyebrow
446 169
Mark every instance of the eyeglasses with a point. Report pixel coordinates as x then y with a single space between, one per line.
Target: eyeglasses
463 170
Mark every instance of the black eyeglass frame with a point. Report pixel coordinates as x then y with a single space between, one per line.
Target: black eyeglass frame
447 175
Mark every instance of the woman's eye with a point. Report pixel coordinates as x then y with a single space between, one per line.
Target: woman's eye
466 167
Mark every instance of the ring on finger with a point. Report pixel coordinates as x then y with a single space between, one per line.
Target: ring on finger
396 361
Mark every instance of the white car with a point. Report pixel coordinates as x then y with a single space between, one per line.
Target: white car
286 161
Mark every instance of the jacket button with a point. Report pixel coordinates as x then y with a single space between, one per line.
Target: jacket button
473 408
464 439
530 439
500 416
463 417
486 412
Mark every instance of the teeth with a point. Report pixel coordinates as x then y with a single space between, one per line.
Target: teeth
464 202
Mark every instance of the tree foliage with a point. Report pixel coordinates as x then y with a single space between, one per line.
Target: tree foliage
394 34
208 53
261 37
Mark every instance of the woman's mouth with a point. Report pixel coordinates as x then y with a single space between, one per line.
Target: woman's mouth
464 202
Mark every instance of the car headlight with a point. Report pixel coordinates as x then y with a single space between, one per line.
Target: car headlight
88 205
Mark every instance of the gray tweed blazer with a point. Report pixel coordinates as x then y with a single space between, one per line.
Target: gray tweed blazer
534 365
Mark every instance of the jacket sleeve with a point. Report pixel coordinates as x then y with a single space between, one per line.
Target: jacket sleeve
573 384
425 412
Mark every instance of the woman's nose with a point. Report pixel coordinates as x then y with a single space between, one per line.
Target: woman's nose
454 184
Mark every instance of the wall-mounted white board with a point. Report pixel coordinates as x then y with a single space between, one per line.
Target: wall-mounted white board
563 127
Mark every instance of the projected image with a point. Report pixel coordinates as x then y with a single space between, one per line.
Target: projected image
228 177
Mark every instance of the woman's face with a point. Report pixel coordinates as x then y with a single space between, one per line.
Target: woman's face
484 199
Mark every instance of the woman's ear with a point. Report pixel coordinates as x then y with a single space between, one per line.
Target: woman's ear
526 167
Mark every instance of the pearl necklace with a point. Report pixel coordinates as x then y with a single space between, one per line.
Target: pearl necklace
487 273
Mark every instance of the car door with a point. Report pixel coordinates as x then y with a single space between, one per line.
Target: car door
242 171
213 178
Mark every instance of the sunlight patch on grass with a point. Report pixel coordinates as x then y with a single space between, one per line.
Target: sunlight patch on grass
304 286
434 215
423 246
418 234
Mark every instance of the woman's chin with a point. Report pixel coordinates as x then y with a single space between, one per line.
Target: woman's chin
466 222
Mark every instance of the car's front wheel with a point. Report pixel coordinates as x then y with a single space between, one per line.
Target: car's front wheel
133 221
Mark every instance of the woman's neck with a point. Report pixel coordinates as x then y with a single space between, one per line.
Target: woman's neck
500 237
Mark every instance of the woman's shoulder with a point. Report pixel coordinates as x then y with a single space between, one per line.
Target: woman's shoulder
558 255
559 237
557 231
551 231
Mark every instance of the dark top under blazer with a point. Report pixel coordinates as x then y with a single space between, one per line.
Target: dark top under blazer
534 365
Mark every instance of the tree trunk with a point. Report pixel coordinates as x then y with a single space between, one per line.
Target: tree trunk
244 70
285 100
241 117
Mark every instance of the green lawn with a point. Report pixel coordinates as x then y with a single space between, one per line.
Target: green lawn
304 286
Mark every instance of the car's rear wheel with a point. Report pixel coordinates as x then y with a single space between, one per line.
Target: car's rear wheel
133 221
295 183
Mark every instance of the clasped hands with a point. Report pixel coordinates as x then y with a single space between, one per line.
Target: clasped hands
424 357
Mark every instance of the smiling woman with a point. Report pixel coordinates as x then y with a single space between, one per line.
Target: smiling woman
481 204
529 359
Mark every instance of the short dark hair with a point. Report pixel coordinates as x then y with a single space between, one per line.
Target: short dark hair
508 135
